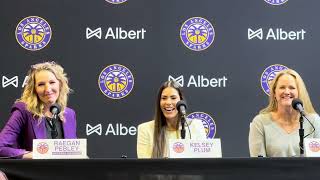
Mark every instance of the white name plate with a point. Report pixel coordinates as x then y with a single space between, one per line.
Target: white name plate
59 149
312 147
188 148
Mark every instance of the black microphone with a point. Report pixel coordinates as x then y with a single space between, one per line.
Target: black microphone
182 107
297 105
55 110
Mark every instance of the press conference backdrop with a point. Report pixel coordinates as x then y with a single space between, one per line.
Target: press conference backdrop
118 52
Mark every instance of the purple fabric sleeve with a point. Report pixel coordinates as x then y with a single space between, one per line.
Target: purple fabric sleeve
10 134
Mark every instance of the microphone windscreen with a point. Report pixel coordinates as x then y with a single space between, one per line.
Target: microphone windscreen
295 103
181 103
55 108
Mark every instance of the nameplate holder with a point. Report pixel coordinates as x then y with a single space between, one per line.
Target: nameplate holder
189 148
59 149
312 147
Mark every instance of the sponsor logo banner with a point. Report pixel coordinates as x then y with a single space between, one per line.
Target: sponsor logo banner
117 129
276 34
12 81
115 33
200 81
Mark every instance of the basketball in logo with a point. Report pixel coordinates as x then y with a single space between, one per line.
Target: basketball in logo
116 81
197 33
178 147
33 33
42 148
314 146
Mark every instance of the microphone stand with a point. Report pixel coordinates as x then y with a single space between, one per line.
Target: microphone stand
183 130
301 135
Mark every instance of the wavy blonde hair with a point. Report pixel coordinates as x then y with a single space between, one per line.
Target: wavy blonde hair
302 90
30 97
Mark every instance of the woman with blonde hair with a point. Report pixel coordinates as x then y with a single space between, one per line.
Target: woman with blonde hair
30 115
274 132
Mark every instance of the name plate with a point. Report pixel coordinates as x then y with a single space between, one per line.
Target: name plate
189 148
59 149
312 147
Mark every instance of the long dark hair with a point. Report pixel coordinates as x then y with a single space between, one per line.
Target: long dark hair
160 123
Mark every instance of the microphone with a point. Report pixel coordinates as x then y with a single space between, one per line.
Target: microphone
297 105
182 107
55 110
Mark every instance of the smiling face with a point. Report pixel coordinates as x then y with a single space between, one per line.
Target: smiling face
169 98
47 87
286 90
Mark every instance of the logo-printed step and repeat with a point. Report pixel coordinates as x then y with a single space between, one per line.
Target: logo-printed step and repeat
119 129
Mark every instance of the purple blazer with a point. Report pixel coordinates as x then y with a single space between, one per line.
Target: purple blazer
17 136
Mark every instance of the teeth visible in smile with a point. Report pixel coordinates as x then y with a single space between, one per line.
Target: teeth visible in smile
169 109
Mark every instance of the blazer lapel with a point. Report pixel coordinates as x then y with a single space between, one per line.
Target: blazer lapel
66 131
39 128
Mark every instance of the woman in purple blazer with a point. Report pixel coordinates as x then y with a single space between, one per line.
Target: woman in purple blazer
31 117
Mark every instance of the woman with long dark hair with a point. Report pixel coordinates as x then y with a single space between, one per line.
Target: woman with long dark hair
153 135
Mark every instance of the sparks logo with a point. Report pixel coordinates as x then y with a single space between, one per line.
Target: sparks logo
207 121
276 2
199 81
116 81
179 80
42 148
33 33
197 33
116 130
276 34
255 34
90 33
116 1
94 129
13 81
178 147
268 75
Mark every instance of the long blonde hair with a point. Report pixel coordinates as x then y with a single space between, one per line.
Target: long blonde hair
30 97
302 90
